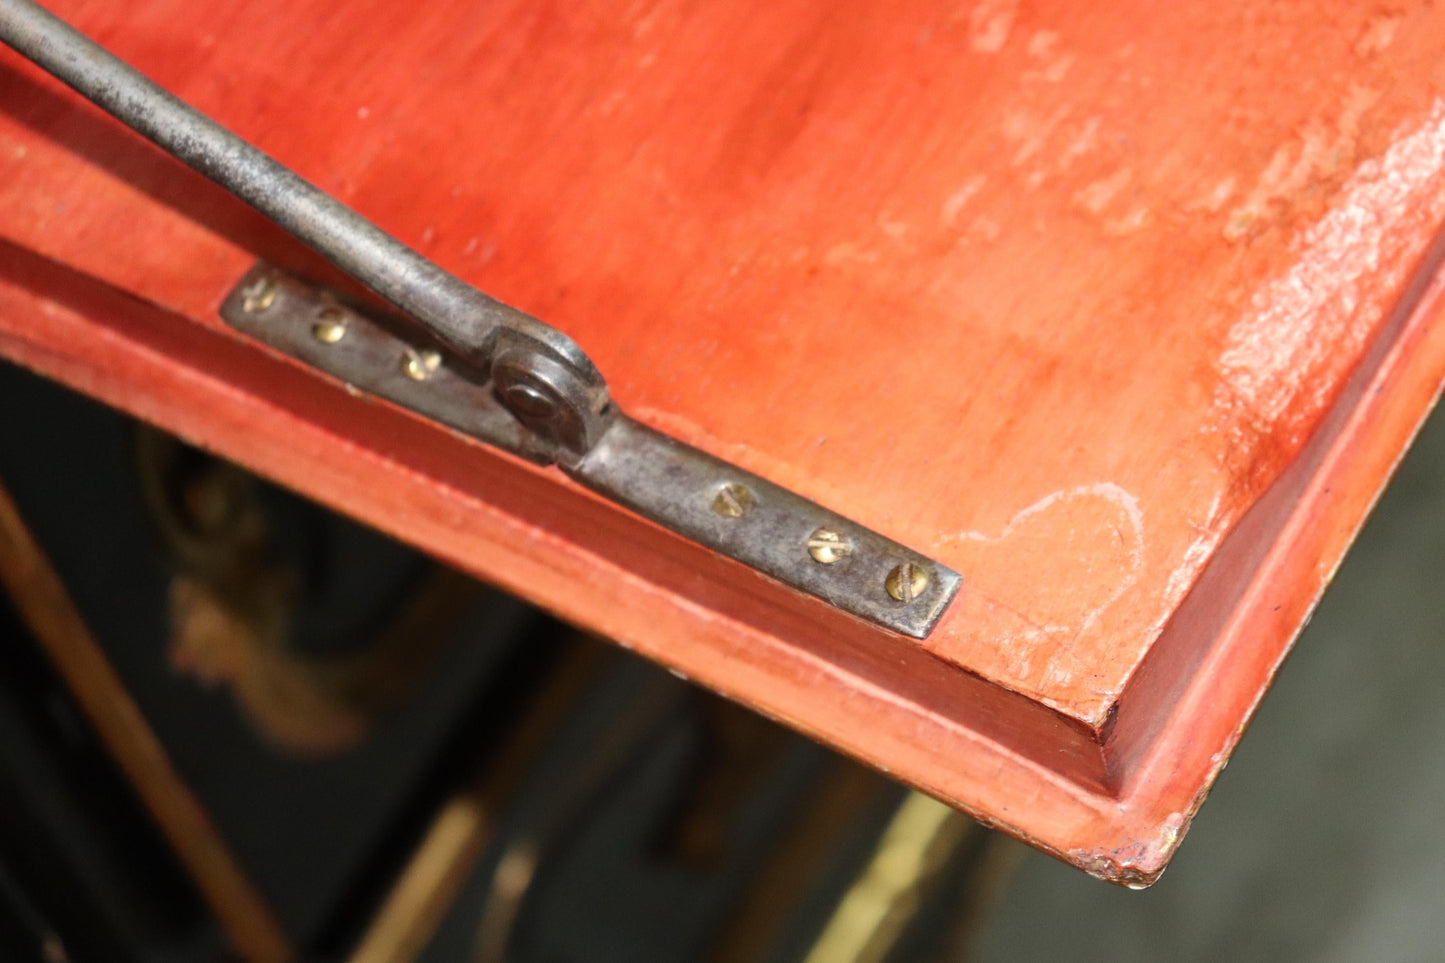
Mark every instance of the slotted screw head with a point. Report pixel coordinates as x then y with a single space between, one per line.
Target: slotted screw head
828 546
419 365
331 328
906 582
259 296
733 501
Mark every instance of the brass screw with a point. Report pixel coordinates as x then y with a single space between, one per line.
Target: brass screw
827 546
906 582
419 365
331 328
733 501
259 296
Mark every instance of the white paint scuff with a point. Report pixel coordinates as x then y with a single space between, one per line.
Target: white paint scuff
1040 631
1296 321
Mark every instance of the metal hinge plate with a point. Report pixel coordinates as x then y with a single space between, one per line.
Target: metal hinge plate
718 505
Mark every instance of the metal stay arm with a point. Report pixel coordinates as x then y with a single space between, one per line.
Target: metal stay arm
464 318
524 386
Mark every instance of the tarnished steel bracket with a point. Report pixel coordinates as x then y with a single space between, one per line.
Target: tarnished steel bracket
688 491
507 378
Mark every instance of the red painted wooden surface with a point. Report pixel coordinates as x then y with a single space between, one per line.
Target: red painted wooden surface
1107 308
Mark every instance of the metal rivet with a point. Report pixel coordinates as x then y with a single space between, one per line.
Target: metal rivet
529 401
828 546
733 501
259 296
906 582
419 365
331 328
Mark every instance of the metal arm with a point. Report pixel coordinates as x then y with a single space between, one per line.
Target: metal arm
477 327
524 387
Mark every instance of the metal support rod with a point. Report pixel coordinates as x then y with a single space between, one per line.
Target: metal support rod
528 388
457 313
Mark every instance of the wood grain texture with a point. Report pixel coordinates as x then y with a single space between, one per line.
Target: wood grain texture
1058 295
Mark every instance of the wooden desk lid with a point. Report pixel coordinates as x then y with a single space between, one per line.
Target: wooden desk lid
1109 308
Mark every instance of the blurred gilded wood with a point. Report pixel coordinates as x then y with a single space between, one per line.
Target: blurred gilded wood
43 602
919 842
462 830
795 865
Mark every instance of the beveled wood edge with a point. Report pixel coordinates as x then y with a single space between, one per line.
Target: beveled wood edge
1115 803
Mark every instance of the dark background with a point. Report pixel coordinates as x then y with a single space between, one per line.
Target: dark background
1321 841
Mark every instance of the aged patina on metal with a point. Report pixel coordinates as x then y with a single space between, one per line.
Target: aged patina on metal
516 382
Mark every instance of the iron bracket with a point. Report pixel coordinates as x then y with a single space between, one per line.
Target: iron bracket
682 488
483 368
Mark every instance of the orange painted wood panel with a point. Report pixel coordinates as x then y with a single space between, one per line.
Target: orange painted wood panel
1108 309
